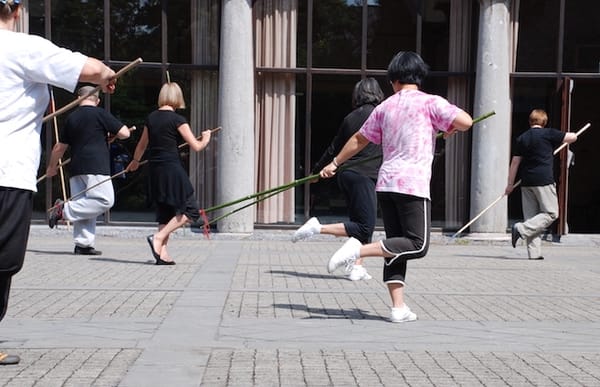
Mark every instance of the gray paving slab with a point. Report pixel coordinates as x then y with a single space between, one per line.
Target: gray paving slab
258 310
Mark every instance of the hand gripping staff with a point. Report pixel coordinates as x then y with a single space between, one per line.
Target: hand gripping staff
492 204
263 195
76 102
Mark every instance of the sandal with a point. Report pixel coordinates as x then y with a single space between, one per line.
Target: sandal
159 261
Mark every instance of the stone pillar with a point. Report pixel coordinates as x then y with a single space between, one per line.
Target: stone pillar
491 137
235 176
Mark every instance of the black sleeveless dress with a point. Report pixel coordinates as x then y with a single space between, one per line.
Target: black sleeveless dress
169 183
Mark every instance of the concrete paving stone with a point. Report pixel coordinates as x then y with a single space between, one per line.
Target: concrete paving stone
258 310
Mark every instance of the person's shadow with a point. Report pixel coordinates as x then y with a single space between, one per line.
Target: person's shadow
323 313
330 313
299 274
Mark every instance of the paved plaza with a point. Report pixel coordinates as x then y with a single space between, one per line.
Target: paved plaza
258 310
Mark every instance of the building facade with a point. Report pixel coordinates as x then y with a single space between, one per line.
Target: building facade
277 77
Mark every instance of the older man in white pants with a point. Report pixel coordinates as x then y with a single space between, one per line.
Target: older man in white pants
86 131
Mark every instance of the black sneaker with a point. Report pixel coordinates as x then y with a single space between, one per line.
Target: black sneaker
514 235
56 213
86 251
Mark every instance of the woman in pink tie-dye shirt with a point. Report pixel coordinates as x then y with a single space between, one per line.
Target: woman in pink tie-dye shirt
406 125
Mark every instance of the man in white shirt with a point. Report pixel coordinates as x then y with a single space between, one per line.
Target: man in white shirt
28 64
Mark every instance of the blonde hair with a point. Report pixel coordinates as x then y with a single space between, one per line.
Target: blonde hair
538 117
171 95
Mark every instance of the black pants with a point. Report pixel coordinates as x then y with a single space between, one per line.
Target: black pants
407 222
16 206
361 199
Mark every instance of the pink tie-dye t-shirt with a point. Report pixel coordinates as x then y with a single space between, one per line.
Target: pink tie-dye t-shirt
406 125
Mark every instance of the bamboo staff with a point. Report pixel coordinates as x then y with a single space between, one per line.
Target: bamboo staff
475 121
76 102
556 151
121 173
295 183
67 161
60 165
61 171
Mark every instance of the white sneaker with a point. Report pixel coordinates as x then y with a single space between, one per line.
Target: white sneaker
403 314
346 255
310 228
358 272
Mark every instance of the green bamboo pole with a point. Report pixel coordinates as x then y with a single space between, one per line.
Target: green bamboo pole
295 183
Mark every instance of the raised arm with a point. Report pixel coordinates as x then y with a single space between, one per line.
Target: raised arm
96 72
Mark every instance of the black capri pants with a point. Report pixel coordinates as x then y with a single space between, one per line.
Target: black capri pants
407 223
361 199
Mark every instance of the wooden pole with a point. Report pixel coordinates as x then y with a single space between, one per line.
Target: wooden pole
61 170
556 151
76 102
122 172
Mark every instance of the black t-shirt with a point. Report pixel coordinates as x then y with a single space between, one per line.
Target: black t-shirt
163 135
85 131
351 124
536 147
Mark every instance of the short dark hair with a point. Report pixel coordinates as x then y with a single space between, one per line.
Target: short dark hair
367 91
407 67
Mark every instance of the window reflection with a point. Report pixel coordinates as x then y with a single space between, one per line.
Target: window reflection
537 41
392 27
336 34
179 32
79 26
135 30
582 37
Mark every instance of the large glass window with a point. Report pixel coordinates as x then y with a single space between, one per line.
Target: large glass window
337 33
436 28
537 48
79 25
135 30
582 36
331 102
179 32
529 94
392 27
583 213
136 97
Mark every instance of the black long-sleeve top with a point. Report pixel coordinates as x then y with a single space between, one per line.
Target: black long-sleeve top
350 125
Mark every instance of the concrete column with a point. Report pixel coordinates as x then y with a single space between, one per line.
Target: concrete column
235 177
491 138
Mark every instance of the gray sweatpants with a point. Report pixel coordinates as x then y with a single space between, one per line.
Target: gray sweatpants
540 209
84 209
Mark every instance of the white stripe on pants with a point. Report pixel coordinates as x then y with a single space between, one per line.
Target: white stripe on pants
84 209
540 209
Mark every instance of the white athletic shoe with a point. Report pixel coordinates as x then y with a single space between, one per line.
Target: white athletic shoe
310 228
346 255
403 314
358 272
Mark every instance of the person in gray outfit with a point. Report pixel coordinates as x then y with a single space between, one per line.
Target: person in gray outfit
533 161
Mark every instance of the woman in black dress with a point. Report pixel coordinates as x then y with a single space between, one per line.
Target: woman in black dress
170 187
